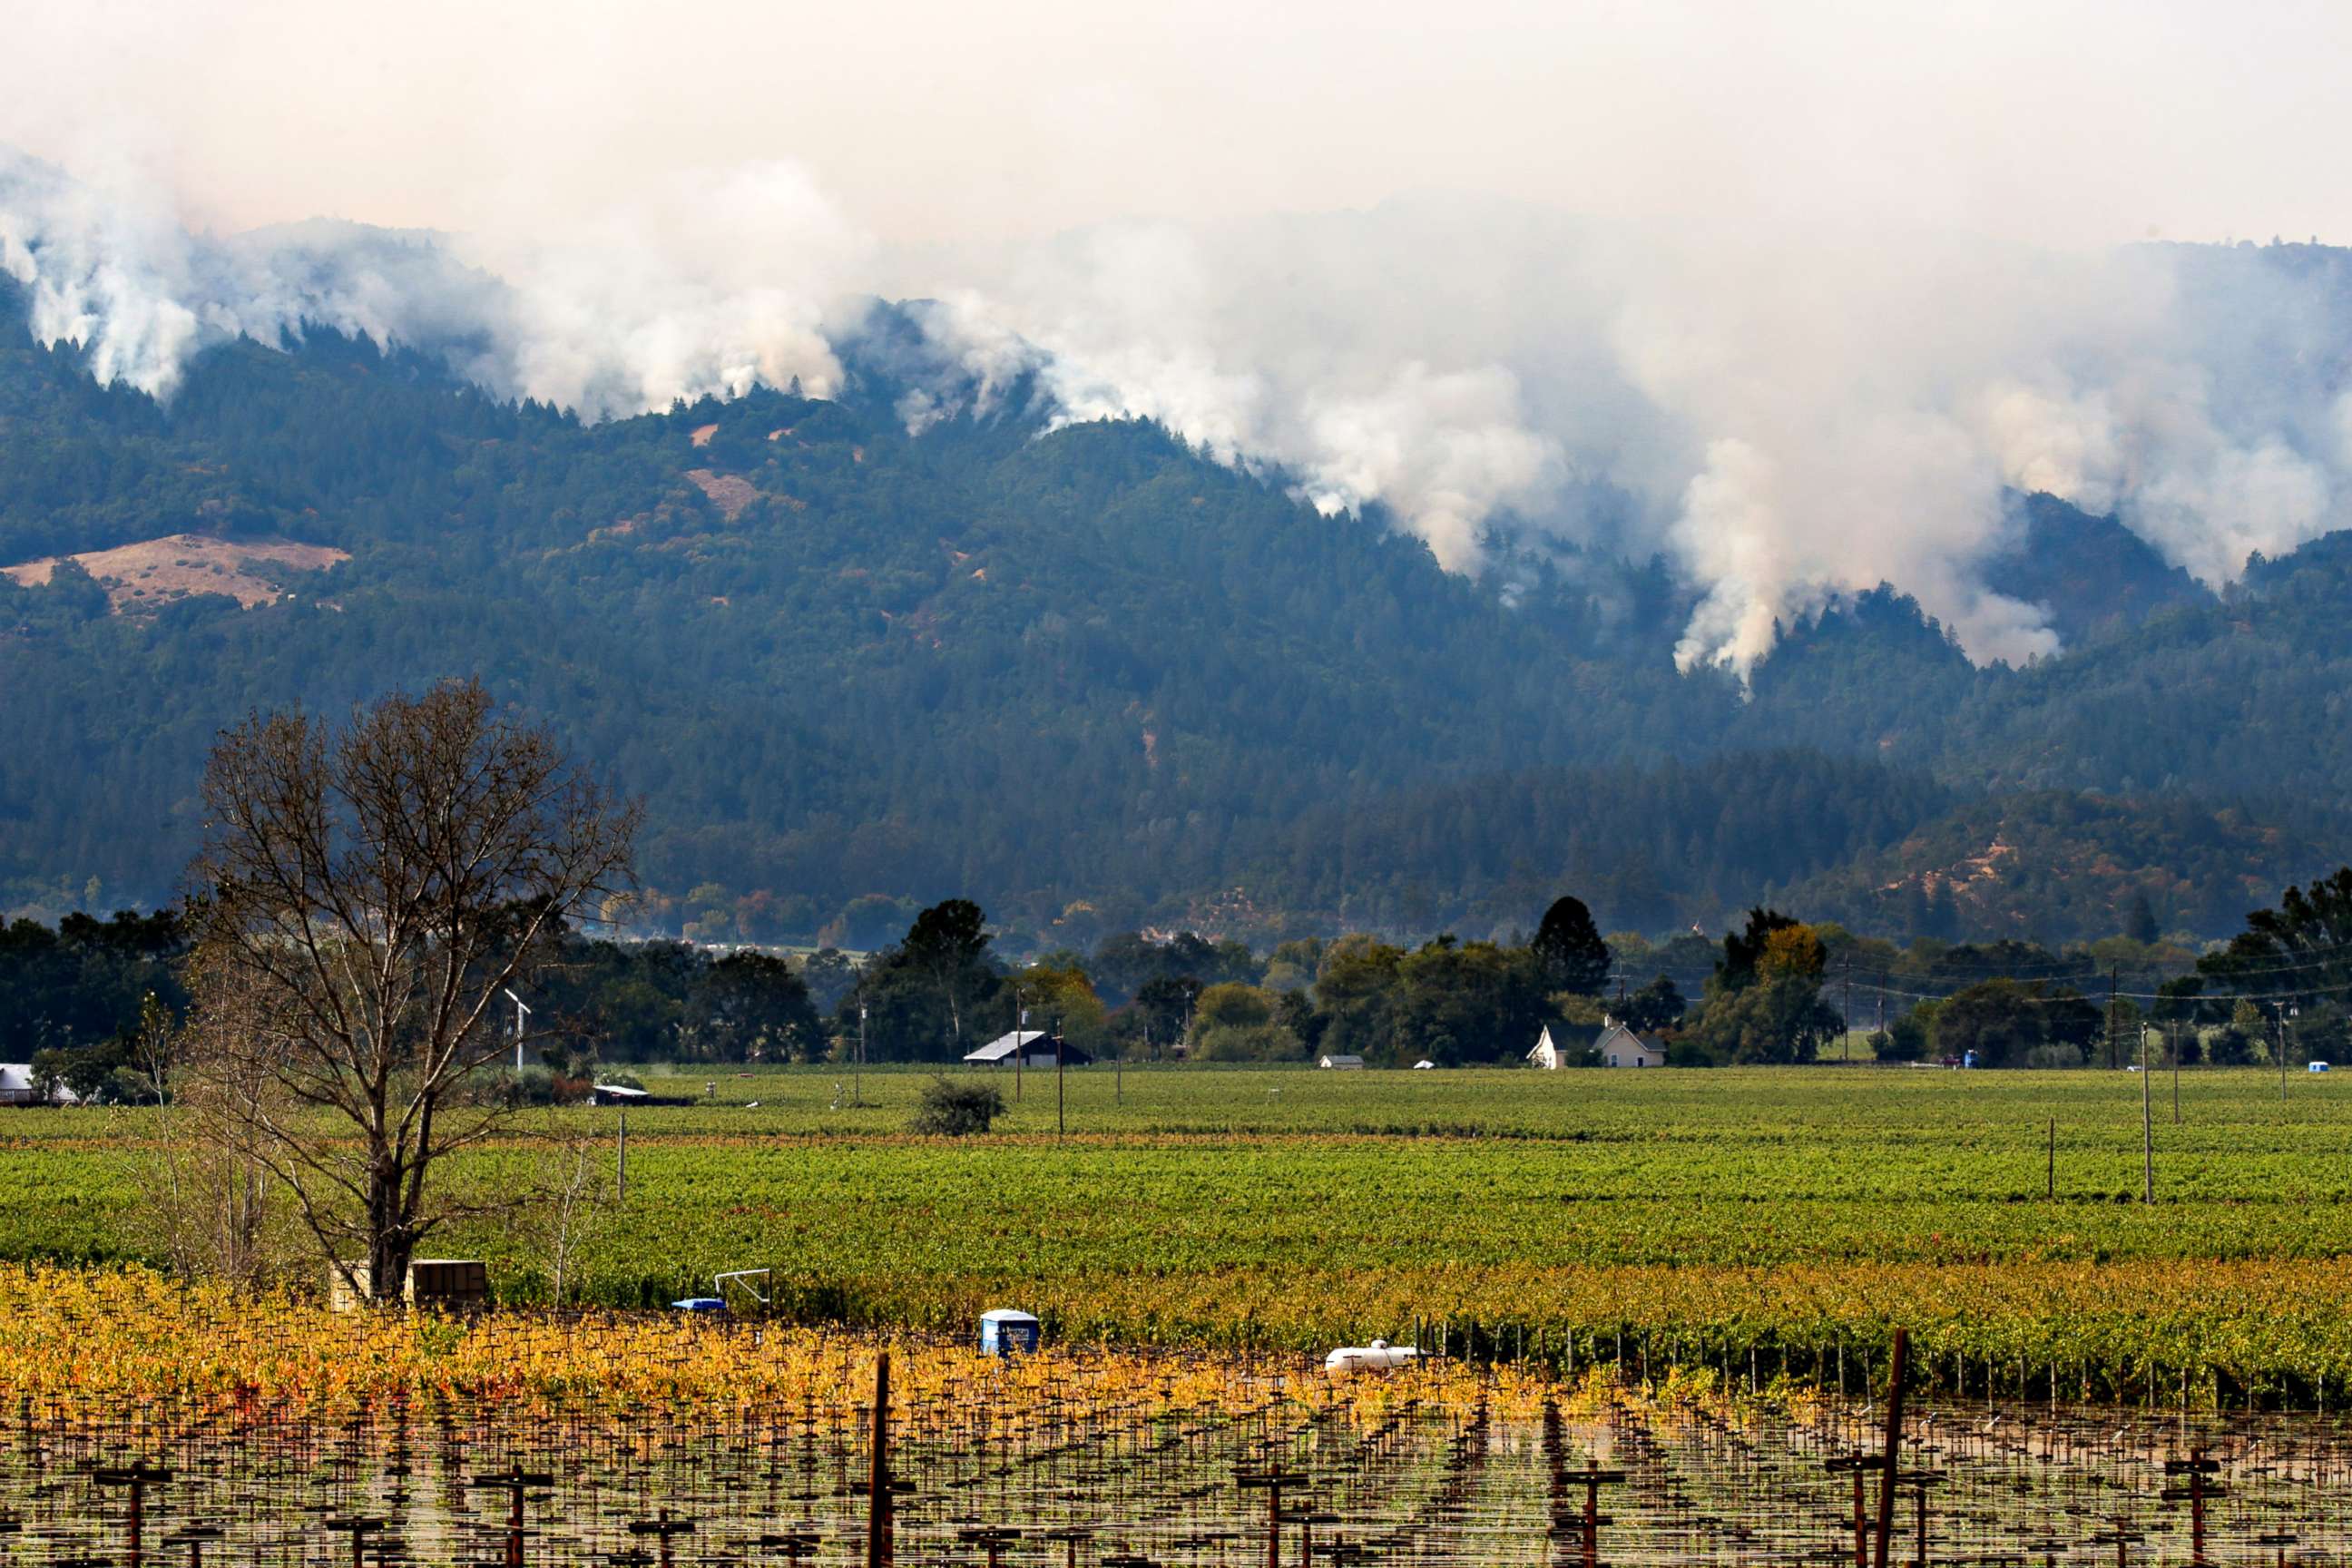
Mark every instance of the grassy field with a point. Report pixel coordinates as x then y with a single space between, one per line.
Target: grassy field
1791 1212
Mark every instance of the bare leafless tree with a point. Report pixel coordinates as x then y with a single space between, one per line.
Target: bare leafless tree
577 1196
214 1207
364 897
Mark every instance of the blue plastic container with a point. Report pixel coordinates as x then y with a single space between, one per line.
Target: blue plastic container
701 1304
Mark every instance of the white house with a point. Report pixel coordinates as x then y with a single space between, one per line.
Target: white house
1342 1064
1621 1047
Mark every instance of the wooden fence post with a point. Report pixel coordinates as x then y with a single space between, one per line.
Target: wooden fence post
877 1502
1886 1478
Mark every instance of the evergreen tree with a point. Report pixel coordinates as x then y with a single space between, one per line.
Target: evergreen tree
1569 952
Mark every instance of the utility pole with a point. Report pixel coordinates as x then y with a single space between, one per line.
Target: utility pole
1061 1121
522 1018
1846 1035
2282 1052
857 1068
2172 1044
620 1181
2114 1052
2147 1128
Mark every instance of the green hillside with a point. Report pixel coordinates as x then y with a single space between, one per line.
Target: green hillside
1084 665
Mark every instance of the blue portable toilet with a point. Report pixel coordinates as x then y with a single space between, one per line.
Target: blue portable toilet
1969 1060
1003 1331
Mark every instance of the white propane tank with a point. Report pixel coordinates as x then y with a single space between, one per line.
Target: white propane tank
1349 1360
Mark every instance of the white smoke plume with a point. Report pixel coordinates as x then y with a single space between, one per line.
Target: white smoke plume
1801 415
718 281
1807 414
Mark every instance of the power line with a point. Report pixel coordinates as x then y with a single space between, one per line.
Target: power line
2295 996
2087 967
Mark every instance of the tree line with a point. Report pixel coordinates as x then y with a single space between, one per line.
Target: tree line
75 998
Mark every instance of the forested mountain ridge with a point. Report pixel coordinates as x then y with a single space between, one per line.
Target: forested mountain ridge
855 668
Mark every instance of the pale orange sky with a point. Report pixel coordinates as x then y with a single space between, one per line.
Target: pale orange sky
925 121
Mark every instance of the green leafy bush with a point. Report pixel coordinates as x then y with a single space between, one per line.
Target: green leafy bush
952 1109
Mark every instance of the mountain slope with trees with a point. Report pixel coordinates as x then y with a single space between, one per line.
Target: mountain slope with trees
1093 679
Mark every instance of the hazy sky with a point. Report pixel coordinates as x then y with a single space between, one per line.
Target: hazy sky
2054 122
1823 284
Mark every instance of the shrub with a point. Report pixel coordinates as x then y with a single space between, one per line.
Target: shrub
950 1110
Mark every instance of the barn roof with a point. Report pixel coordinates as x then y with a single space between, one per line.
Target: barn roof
1002 1047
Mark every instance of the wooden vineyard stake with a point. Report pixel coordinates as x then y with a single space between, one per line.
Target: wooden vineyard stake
193 1538
1857 1464
138 1476
2121 1538
2196 1494
877 1482
991 1539
1594 1479
1271 1481
514 1482
1069 1535
2281 1540
1306 1518
1919 1482
661 1527
1892 1459
359 1528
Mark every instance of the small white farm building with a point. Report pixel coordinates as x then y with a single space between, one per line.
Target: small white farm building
19 1087
1342 1064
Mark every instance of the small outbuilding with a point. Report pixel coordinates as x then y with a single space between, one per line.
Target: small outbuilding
1004 1331
1341 1063
19 1087
436 1284
1034 1047
1546 1052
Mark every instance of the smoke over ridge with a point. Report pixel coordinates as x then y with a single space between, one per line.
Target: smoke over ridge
1795 415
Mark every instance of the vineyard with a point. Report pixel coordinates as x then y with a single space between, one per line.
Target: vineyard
150 1421
1752 1225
